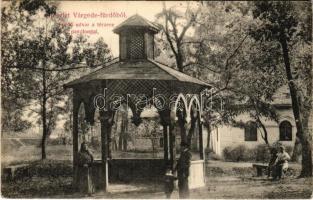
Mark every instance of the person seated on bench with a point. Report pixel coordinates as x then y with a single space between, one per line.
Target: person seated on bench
281 163
271 164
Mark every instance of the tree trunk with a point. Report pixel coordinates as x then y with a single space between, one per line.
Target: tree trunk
307 131
306 145
257 118
179 61
120 142
44 117
208 127
306 156
303 134
124 143
296 150
265 138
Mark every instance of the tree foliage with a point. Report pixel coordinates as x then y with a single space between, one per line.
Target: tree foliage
242 49
285 24
221 52
39 56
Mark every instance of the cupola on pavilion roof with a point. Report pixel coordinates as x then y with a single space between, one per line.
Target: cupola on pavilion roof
136 21
136 59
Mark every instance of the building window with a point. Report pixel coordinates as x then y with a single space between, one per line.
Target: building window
251 131
285 131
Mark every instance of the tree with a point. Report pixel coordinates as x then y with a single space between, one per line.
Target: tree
12 119
43 53
194 55
257 93
175 26
283 23
12 89
230 59
150 131
222 53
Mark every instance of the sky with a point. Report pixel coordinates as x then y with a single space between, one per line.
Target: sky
146 9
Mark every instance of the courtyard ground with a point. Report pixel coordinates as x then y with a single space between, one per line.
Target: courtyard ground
223 180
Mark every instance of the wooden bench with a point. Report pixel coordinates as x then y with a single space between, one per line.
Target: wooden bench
260 168
12 172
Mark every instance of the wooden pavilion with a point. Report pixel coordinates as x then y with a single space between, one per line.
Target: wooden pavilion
137 73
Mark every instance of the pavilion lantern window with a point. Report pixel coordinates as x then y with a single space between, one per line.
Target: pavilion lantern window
136 38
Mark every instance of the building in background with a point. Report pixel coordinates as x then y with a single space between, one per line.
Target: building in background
250 136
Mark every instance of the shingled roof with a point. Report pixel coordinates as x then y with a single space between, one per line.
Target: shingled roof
136 21
139 70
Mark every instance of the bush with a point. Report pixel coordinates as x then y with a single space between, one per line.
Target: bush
289 149
54 141
226 153
235 154
50 168
239 152
262 153
208 150
242 153
213 156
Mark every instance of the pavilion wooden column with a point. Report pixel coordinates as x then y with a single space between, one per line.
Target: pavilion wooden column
181 115
169 139
172 144
109 139
165 144
165 119
106 121
75 139
201 149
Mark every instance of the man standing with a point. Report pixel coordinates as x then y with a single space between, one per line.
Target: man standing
183 165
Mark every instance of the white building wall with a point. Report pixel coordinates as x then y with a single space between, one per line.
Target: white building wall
233 136
215 141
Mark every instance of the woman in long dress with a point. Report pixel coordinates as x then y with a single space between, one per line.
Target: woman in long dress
85 160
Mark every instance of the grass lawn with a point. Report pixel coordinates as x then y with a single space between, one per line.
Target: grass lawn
65 152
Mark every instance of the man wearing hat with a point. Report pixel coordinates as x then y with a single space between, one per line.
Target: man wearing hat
183 165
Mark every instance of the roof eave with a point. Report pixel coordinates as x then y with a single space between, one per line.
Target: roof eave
118 30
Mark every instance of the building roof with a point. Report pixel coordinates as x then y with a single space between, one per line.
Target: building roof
139 70
136 21
282 97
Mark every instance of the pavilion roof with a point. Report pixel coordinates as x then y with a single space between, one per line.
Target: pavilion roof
137 21
137 70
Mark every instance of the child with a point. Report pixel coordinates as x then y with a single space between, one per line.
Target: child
169 183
